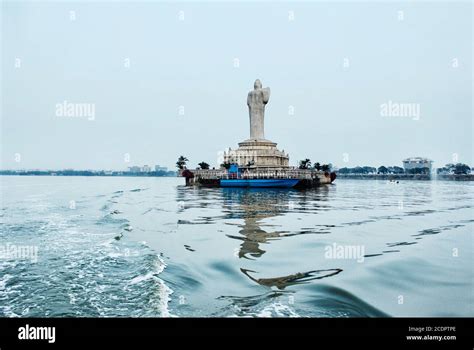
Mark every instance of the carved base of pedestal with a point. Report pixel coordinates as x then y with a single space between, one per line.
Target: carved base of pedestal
257 143
258 153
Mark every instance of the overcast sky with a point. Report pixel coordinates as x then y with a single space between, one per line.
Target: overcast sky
168 79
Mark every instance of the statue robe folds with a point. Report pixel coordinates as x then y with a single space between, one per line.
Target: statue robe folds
256 100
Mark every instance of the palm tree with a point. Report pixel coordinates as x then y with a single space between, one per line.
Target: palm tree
317 166
325 167
181 163
225 165
305 164
204 165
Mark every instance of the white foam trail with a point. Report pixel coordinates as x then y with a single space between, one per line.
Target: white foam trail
164 292
278 310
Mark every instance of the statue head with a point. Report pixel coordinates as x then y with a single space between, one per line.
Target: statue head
257 84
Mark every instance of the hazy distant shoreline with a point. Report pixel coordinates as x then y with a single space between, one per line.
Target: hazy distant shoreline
87 173
419 177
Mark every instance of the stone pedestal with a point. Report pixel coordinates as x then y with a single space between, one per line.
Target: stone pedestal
258 153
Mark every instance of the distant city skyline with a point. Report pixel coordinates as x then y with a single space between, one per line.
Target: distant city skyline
107 86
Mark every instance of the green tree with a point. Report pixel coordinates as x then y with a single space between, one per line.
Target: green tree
325 167
317 166
181 163
358 170
398 170
382 170
344 170
368 169
461 169
225 165
204 165
305 164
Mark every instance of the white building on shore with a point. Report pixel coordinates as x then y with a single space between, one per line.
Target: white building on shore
417 163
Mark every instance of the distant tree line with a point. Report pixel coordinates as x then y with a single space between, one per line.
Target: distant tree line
456 169
380 170
358 170
384 170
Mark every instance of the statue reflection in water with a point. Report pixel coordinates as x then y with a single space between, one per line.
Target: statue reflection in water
255 205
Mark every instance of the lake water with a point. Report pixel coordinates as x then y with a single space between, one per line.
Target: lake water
118 246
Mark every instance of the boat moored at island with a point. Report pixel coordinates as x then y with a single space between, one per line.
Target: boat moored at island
238 178
254 177
279 183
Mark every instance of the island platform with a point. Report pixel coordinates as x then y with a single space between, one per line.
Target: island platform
283 178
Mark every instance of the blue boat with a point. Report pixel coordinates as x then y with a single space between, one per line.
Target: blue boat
236 180
286 183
